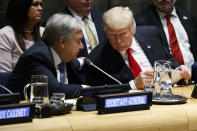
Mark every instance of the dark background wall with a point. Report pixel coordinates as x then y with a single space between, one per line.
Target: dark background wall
52 6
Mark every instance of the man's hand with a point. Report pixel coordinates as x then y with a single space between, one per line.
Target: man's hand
143 79
185 72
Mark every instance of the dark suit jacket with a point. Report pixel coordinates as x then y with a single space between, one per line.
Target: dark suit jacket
38 60
149 16
97 17
110 60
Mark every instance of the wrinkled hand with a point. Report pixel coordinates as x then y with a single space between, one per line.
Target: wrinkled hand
143 79
185 72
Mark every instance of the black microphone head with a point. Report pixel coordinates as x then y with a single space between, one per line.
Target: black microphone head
88 61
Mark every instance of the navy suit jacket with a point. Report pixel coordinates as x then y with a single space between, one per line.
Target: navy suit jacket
97 17
110 60
38 60
150 17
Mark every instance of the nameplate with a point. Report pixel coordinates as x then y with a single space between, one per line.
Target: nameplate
16 113
122 102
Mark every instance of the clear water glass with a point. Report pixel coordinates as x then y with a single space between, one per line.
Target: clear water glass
162 79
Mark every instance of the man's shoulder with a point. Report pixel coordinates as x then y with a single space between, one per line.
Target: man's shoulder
38 50
96 12
183 12
146 29
100 51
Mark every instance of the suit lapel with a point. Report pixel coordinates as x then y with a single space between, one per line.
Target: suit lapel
146 47
50 63
157 22
184 18
124 74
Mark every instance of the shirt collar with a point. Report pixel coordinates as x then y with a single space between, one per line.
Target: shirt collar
78 17
56 57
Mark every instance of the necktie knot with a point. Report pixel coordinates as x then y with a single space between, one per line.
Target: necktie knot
85 19
129 51
168 17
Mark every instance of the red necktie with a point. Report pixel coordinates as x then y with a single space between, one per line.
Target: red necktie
176 52
134 67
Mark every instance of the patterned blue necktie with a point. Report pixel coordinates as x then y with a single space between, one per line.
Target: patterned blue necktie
61 68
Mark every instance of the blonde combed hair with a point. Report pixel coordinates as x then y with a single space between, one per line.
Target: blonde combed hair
119 17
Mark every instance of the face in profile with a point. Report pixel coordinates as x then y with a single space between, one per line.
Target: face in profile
165 6
35 12
120 39
73 47
82 7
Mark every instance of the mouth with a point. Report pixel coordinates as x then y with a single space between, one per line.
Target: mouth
164 1
39 14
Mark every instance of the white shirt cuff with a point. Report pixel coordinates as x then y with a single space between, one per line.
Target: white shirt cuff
81 62
132 85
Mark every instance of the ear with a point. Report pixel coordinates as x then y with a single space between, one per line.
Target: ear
62 41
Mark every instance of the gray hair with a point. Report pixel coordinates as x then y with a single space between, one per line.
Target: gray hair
60 25
119 17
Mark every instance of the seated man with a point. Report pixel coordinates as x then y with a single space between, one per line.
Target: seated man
178 29
60 44
130 53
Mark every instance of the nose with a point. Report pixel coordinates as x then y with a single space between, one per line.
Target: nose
118 39
39 7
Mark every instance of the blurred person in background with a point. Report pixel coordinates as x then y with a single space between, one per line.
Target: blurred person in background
23 29
178 28
83 12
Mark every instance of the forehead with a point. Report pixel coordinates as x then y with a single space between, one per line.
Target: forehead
77 34
111 30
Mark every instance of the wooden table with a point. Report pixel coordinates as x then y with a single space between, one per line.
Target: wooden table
181 117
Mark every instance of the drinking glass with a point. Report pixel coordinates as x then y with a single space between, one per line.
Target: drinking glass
162 79
149 88
38 90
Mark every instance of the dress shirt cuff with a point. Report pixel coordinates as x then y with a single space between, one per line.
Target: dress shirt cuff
81 62
132 85
85 86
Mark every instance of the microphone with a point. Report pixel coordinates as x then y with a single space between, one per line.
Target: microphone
89 62
3 87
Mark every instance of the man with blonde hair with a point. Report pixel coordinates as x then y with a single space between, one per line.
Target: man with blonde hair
130 52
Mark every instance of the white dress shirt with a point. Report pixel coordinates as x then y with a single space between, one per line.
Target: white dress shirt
140 58
57 61
181 35
91 25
